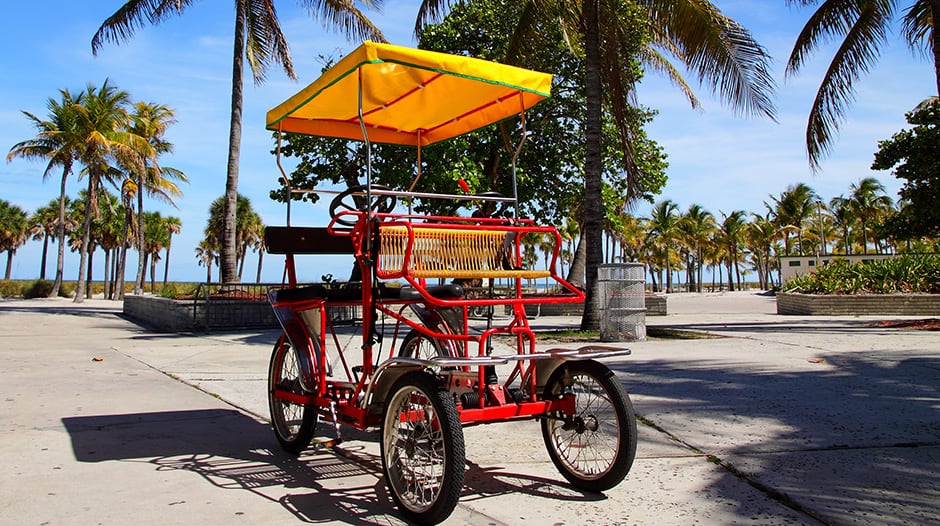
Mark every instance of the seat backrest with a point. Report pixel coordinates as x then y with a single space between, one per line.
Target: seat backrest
305 240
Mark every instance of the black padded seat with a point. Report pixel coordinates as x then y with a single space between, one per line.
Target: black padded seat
442 292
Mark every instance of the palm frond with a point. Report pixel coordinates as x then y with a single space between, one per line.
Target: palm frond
132 16
721 52
855 56
917 27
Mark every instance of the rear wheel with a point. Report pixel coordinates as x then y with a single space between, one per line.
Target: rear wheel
294 424
417 345
422 448
595 446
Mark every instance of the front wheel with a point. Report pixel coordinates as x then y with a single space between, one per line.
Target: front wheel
294 424
422 448
595 446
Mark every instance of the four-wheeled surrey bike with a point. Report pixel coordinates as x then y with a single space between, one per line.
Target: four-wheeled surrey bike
439 372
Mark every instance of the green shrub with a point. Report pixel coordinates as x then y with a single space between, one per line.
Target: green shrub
10 289
67 289
902 274
41 288
175 290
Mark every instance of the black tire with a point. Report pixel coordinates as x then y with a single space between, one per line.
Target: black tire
417 345
294 425
423 456
594 448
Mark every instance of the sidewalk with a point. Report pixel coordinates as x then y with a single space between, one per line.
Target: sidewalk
784 420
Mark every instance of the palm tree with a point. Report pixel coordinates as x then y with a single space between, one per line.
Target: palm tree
156 238
696 226
719 50
44 224
868 201
150 121
173 226
258 37
730 236
790 210
249 227
207 254
57 141
863 26
842 216
14 230
760 235
663 229
102 122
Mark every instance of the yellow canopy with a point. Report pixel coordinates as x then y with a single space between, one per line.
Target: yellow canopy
409 96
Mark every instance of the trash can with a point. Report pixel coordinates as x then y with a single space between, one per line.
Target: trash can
621 293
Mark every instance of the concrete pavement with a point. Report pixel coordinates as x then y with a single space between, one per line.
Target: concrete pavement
783 420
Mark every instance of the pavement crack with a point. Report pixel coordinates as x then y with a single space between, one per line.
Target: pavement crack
771 493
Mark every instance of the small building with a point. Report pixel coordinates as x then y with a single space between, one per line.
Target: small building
793 266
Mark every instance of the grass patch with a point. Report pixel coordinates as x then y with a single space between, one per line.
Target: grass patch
664 333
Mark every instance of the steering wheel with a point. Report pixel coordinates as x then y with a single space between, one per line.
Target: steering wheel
497 207
346 201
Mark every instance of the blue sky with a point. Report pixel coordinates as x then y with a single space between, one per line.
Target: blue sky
719 160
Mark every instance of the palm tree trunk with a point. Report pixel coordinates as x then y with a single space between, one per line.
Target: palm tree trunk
60 233
153 273
166 264
260 261
10 253
228 254
576 269
593 199
107 273
122 264
45 250
139 282
89 288
86 239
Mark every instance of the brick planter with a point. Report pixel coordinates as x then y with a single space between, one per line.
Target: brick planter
858 304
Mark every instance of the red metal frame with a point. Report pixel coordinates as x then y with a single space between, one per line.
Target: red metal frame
346 397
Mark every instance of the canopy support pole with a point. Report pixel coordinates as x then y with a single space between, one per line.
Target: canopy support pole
515 155
290 191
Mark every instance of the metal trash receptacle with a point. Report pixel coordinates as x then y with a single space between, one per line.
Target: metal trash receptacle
621 293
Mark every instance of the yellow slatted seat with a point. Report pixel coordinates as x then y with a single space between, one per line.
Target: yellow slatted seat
449 253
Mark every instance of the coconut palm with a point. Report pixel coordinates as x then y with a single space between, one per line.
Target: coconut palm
102 122
258 37
730 236
843 217
760 236
151 121
863 26
44 225
868 201
207 254
57 142
663 230
173 226
717 49
248 223
156 238
14 231
696 226
790 211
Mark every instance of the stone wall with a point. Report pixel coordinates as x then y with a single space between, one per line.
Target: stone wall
858 304
169 315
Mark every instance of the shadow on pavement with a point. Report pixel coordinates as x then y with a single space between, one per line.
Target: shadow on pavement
231 450
859 436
